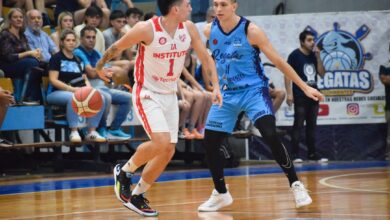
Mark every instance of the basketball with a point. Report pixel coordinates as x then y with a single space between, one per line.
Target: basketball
87 101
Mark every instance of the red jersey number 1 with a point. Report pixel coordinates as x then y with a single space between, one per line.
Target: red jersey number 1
171 63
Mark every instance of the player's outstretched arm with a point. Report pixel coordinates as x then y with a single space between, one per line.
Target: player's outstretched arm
258 38
206 60
141 32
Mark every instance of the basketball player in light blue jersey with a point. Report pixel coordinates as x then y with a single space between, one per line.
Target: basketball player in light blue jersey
236 44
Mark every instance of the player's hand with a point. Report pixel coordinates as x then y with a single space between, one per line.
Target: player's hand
314 94
104 73
290 99
217 97
6 98
317 51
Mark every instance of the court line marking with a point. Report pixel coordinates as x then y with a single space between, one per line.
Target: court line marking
165 181
323 181
122 209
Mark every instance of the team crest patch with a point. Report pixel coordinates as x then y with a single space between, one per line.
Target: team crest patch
162 40
182 37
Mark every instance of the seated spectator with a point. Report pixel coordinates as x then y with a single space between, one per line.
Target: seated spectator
63 68
38 39
122 99
6 99
79 7
185 109
133 16
65 21
200 101
93 17
277 96
114 32
17 60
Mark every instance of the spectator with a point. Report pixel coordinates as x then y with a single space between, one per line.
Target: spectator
79 9
133 16
38 39
277 96
307 64
122 99
17 60
65 21
93 17
210 15
384 74
117 22
63 68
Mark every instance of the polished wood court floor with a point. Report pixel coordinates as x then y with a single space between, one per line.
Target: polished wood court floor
358 193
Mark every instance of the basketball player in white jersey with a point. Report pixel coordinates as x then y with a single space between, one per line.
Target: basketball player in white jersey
163 44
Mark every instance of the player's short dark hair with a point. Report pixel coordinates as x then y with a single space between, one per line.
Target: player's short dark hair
149 15
166 5
117 14
87 28
94 11
304 34
134 10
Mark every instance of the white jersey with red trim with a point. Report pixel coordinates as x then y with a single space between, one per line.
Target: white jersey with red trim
159 64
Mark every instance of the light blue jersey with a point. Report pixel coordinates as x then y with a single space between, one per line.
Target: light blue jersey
238 63
241 77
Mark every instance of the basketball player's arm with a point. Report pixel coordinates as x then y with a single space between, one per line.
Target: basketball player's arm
206 60
288 86
141 32
258 38
58 84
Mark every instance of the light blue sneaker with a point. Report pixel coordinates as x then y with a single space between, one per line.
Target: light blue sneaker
103 132
117 134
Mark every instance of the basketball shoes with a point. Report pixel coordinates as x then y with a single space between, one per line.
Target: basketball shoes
301 195
140 205
122 184
216 202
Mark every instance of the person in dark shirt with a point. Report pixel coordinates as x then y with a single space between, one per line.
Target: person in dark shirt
63 68
307 63
384 74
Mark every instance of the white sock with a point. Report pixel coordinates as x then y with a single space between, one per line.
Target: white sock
141 187
130 166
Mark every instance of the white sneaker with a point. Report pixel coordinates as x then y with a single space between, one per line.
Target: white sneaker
216 202
95 137
298 160
74 137
301 196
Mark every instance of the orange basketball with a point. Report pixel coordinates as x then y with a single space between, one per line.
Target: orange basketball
87 101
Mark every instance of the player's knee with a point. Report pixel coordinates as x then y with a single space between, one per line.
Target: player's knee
281 94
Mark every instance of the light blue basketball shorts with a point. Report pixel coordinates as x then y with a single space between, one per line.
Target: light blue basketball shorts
254 101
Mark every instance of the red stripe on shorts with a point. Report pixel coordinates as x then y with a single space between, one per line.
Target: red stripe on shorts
140 81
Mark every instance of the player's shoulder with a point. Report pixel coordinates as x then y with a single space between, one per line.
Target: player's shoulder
143 26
